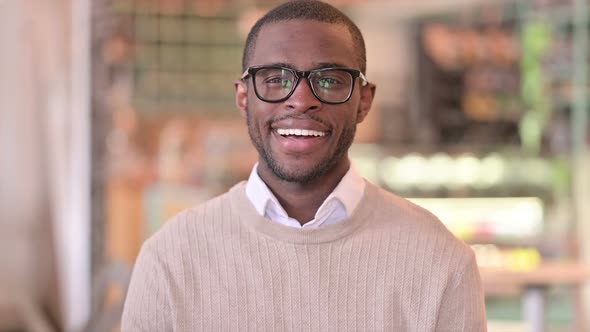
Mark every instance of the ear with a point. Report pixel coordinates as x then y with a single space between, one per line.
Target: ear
241 97
367 95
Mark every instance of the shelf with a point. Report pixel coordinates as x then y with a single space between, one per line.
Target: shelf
549 273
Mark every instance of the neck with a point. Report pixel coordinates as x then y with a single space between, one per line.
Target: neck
301 201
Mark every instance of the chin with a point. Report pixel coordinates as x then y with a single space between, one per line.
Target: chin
299 174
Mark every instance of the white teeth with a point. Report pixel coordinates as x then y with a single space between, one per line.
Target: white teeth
300 132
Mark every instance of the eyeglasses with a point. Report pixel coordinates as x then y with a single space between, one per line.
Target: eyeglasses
274 84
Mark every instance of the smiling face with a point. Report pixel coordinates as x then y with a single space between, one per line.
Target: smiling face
302 139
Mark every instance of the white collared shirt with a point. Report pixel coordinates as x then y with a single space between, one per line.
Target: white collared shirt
337 206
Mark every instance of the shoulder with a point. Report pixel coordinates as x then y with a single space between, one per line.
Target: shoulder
389 205
182 229
416 234
399 215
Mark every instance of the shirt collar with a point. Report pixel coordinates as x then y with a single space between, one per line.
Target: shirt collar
348 192
258 193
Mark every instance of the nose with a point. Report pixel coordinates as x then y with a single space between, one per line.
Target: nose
303 99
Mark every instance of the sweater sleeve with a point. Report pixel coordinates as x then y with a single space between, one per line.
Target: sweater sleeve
463 306
147 305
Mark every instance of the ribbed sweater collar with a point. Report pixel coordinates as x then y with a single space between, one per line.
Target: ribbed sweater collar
251 219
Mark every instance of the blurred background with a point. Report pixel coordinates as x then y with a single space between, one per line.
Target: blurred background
116 114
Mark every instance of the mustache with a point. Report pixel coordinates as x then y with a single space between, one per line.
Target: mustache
299 116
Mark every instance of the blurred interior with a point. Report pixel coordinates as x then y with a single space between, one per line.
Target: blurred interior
117 114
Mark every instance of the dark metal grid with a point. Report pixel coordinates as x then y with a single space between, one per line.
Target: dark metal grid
183 62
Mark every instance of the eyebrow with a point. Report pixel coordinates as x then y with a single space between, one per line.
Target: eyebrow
330 65
320 65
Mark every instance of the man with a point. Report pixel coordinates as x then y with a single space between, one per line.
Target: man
305 243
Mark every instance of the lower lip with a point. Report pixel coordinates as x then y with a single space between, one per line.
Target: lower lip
299 144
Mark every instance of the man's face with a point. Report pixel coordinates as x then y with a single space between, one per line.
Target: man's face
278 130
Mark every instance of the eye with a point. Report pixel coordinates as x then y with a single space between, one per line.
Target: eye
328 82
278 81
332 79
273 80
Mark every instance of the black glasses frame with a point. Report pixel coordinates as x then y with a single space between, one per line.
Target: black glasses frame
251 72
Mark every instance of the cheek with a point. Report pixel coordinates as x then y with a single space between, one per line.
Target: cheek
256 118
353 116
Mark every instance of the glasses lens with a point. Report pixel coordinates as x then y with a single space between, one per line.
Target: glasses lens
274 83
332 85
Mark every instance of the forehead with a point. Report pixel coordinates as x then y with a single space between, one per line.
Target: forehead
304 44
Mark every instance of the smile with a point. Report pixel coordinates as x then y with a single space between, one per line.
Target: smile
300 141
301 132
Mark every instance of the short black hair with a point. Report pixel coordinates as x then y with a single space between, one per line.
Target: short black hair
307 10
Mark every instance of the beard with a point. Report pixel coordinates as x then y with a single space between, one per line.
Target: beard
302 176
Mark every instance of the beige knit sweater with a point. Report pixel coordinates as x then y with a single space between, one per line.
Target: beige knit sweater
391 266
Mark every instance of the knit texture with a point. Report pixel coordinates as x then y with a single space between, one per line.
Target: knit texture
391 266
